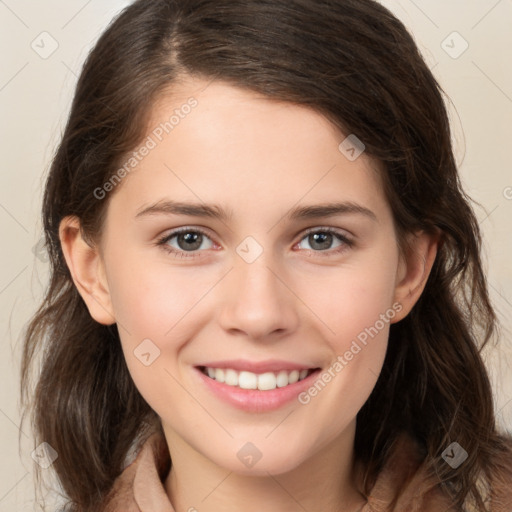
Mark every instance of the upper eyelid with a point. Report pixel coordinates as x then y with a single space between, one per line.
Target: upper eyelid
339 231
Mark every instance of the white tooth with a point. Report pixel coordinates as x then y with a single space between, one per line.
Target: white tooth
293 377
248 380
231 377
266 381
282 379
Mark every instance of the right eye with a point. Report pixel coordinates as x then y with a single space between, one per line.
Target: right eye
185 240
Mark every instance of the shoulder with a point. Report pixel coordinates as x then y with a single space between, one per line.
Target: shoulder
139 486
404 485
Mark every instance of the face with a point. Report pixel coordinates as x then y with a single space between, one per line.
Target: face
245 244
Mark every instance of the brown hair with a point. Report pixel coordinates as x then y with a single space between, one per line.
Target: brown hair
355 63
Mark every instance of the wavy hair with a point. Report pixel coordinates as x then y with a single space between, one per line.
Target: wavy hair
356 64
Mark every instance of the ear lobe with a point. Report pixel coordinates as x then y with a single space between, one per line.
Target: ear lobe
87 270
413 271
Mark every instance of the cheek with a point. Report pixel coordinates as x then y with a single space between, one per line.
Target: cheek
360 317
358 311
160 304
355 298
152 300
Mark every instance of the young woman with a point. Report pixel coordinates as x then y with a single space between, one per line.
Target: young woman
266 288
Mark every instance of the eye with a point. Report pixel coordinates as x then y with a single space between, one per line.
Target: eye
185 240
322 239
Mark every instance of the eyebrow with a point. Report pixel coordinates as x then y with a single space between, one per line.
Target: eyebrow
216 211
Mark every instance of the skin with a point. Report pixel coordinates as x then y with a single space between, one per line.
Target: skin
258 158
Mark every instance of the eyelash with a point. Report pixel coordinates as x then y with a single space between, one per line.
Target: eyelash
162 242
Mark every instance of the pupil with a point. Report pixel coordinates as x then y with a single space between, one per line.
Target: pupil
321 240
192 241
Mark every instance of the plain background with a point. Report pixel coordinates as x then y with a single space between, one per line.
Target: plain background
35 94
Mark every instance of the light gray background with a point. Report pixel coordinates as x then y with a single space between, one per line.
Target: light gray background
35 94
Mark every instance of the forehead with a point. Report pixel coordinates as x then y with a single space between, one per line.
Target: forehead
221 108
214 142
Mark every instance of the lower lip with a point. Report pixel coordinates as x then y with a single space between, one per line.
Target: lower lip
254 400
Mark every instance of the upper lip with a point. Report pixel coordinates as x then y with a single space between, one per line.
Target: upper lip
270 365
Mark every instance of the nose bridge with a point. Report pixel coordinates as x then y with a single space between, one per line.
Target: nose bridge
256 280
256 300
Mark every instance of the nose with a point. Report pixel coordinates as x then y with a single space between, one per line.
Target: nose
257 301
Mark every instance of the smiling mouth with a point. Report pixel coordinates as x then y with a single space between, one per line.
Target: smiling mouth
262 381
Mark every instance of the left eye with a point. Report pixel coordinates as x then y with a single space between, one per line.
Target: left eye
321 240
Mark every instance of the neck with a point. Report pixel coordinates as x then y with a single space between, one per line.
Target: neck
324 481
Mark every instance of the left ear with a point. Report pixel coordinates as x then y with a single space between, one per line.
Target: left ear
413 270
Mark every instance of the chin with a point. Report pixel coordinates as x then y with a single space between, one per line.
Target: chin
275 464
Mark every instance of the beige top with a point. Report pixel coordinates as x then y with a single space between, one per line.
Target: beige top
140 487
